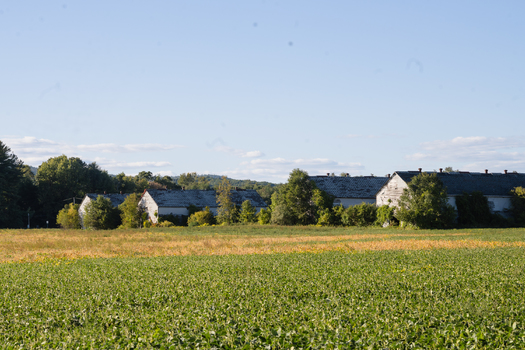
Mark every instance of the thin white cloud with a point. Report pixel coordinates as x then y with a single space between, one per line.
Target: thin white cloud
130 148
33 151
115 164
371 136
474 152
278 169
238 152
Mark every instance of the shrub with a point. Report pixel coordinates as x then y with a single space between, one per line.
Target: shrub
201 217
325 217
385 216
264 216
169 218
68 217
166 224
363 214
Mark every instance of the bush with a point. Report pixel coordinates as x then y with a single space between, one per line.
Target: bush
363 214
68 217
170 218
325 217
201 218
264 216
165 224
385 216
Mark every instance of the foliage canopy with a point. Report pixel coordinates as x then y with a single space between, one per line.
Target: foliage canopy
424 204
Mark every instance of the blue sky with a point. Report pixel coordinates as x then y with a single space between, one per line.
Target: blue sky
254 89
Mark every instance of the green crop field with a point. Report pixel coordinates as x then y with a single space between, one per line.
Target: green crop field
388 299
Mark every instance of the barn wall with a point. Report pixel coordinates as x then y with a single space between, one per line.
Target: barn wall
149 206
82 210
391 191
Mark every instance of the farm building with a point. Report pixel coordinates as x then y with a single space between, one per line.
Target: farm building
115 198
495 186
350 190
176 202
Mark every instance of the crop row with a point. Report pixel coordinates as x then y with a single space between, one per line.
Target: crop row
464 298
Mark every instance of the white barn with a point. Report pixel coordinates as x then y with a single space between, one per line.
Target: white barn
176 202
495 186
350 191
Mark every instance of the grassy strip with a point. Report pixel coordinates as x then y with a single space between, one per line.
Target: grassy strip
38 245
460 298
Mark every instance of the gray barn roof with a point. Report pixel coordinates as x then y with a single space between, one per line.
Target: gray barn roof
201 198
115 198
488 184
350 187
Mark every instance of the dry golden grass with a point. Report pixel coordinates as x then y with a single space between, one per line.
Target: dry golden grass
37 245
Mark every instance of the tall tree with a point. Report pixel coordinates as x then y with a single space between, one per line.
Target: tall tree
248 212
226 211
295 200
130 212
424 204
101 215
60 178
10 178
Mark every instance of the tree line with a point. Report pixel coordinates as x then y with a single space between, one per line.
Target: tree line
36 198
45 197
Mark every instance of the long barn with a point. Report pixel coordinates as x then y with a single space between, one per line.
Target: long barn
495 186
177 202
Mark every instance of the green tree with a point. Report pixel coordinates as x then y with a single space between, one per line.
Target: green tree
293 204
167 182
192 181
98 180
61 178
101 215
518 205
226 211
130 212
125 184
248 212
10 178
68 217
424 204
